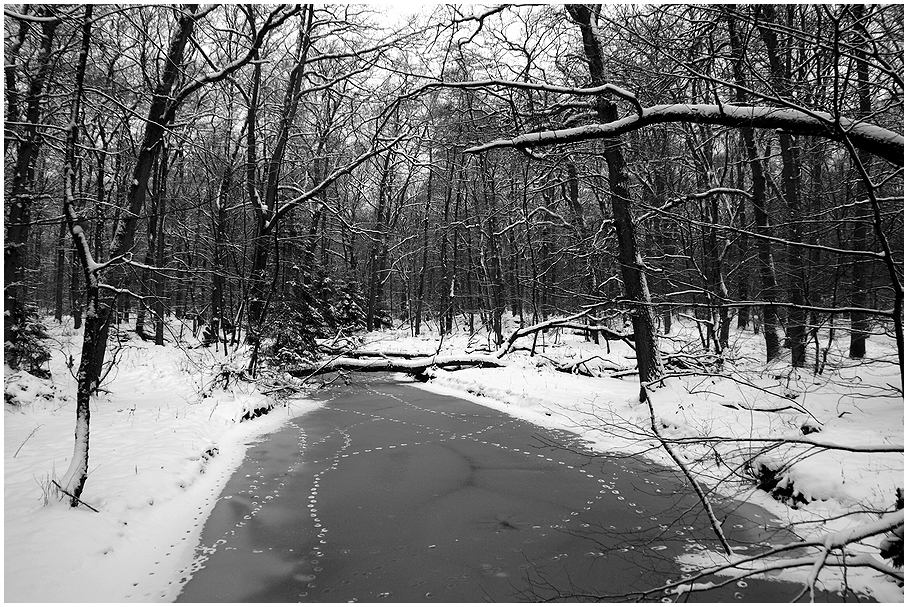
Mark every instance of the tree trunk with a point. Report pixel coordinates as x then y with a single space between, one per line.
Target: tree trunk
18 220
714 273
761 218
60 272
420 289
265 210
159 276
376 253
490 252
75 295
99 310
742 253
96 321
860 323
446 310
151 232
218 265
636 290
780 66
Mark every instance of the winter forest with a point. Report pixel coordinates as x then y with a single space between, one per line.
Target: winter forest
639 198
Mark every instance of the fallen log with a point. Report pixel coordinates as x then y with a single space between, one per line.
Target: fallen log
415 366
575 368
347 353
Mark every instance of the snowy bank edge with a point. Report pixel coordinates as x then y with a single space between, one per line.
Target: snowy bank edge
201 498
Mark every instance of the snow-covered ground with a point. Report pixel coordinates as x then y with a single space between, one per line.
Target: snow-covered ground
165 438
163 444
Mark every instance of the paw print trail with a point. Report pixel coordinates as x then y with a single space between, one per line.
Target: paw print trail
389 493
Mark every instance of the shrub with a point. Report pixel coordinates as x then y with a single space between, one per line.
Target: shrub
29 351
316 306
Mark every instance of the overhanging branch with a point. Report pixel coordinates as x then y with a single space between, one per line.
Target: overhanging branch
874 139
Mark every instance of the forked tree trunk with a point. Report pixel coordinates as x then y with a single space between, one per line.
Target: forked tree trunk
265 208
100 311
73 480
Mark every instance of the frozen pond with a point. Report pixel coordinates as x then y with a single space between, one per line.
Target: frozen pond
390 493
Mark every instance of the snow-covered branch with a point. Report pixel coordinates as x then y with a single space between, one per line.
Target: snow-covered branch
705 224
871 138
710 514
610 89
523 331
327 181
741 567
867 448
277 17
692 197
31 18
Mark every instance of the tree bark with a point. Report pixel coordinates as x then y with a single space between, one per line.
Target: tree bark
420 289
18 220
96 323
761 218
265 209
151 232
649 359
860 323
218 265
99 310
158 281
60 272
780 66
376 253
75 294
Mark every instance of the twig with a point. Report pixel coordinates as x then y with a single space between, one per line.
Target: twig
73 497
30 434
713 521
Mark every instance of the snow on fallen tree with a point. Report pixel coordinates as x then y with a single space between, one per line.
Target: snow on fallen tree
417 363
389 354
414 366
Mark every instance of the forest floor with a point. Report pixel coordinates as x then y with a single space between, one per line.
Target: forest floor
165 438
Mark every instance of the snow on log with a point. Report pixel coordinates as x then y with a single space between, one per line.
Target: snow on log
871 138
373 353
413 366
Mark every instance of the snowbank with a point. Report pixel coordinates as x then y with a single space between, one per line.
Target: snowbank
163 444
